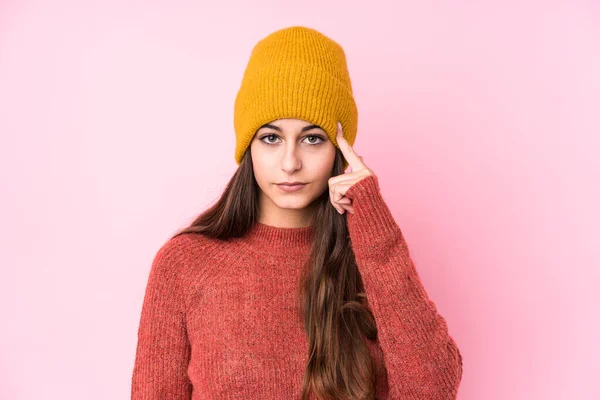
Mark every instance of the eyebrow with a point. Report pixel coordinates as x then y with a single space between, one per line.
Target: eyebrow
306 128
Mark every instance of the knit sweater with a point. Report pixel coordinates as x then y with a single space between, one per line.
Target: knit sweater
219 318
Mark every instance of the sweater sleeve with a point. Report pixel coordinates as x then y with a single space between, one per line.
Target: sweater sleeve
422 360
163 349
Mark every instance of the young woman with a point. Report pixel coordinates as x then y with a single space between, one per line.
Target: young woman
297 283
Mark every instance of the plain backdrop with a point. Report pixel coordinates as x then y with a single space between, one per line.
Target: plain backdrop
481 120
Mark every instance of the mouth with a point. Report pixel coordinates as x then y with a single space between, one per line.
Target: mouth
286 187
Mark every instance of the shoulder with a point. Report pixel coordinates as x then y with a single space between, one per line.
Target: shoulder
185 246
187 254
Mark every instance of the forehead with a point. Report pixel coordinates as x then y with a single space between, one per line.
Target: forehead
290 125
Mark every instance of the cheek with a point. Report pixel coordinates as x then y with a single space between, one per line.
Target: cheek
261 174
323 168
263 169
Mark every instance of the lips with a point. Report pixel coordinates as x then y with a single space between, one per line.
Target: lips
291 188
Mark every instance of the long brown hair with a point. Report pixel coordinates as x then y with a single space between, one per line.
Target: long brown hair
331 293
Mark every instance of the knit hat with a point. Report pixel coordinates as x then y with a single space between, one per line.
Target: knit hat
295 72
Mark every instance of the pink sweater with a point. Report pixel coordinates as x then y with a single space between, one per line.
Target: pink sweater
219 321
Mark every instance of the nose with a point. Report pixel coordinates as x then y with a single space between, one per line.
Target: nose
290 160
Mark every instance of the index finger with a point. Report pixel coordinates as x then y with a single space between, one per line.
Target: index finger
353 159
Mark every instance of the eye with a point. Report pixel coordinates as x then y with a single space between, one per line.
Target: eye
318 137
268 136
311 139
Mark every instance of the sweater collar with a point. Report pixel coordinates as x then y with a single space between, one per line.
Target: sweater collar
278 240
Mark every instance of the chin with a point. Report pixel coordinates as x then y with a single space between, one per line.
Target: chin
295 205
290 202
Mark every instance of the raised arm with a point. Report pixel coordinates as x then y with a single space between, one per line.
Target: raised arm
422 360
163 349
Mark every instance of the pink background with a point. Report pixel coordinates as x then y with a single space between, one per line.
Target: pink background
481 120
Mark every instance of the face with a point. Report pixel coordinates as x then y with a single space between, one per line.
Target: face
291 150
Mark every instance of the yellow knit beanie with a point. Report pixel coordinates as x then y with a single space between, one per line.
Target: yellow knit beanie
295 72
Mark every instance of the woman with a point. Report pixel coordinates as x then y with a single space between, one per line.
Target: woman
284 291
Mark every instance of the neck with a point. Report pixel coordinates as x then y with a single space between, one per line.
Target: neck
280 240
270 214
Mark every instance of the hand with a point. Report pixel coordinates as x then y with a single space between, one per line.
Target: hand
339 185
